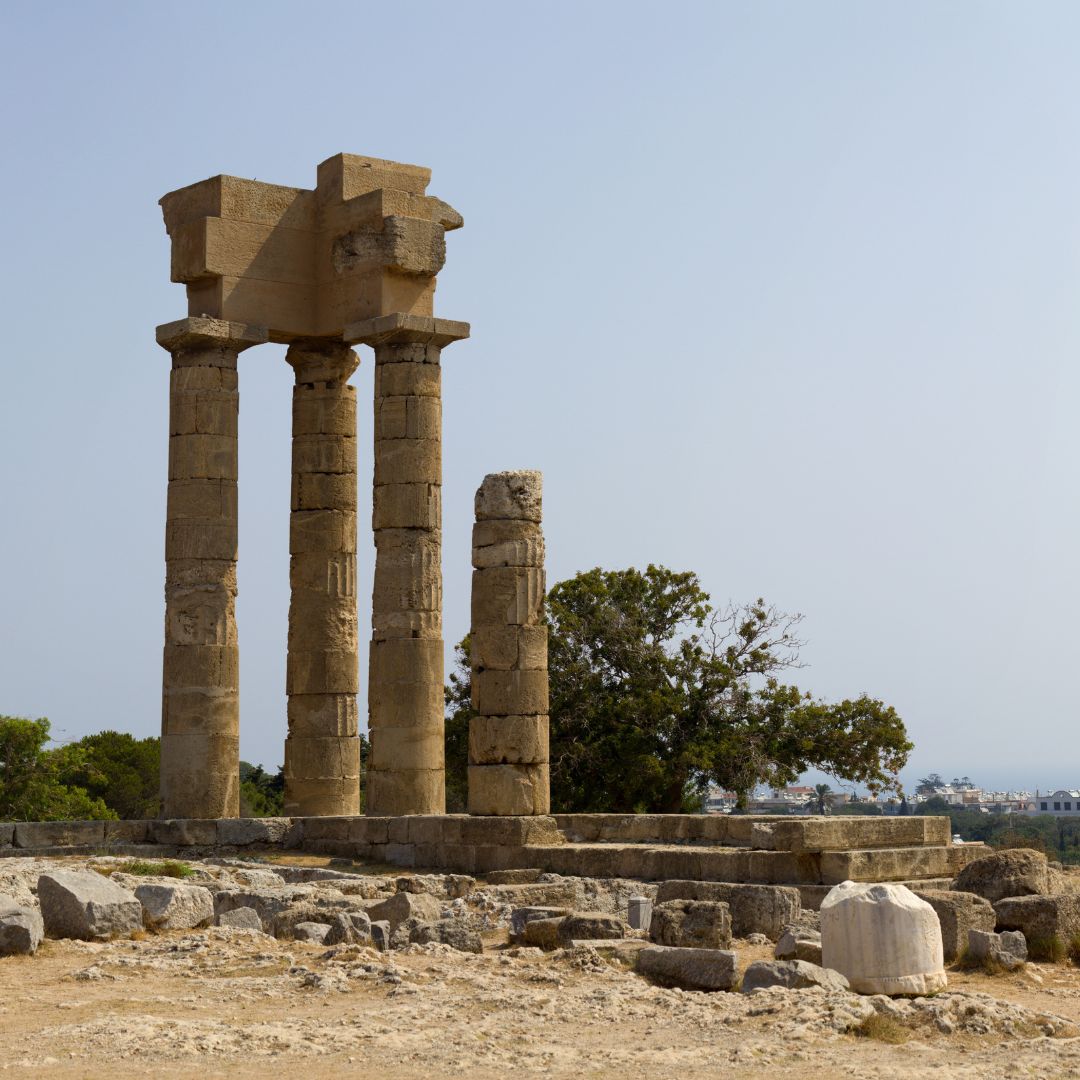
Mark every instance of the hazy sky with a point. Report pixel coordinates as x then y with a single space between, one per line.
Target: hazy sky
784 293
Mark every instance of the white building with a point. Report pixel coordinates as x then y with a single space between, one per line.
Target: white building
1060 803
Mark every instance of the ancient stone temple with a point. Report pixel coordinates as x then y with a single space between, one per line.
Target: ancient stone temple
351 262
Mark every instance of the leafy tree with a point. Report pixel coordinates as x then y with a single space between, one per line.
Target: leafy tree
821 797
116 768
262 794
30 789
654 694
935 806
929 784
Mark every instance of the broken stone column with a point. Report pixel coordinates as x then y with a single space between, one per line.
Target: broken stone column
200 717
322 749
405 773
508 738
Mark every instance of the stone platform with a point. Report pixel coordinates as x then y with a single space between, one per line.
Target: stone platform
812 853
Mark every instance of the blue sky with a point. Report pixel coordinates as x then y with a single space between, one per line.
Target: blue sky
783 293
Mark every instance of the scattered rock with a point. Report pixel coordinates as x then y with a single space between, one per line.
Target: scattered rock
175 907
452 932
522 916
700 924
351 928
406 905
690 969
958 913
790 974
83 904
1048 923
799 943
1017 872
380 935
241 918
21 928
1008 949
557 933
755 909
314 932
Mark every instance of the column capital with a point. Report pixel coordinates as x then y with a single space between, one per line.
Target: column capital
402 328
321 360
202 332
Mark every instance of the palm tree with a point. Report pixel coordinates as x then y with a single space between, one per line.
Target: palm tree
821 797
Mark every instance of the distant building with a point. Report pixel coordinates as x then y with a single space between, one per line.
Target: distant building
1060 804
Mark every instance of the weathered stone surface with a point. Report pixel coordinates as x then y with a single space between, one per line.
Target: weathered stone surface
556 933
958 913
690 969
1009 949
184 832
240 918
42 834
507 543
799 943
175 907
509 647
21 928
452 932
83 904
790 974
699 924
1018 872
349 927
314 932
883 939
1041 919
639 911
520 918
509 790
755 909
517 495
239 832
508 740
405 905
508 596
380 934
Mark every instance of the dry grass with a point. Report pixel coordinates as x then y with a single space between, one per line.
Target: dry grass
882 1028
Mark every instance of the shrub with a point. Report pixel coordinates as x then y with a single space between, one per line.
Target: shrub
882 1028
1047 949
168 868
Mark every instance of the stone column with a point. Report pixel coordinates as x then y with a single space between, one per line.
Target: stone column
200 717
508 738
405 772
322 750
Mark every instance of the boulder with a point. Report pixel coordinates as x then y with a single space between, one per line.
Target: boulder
1048 923
755 909
698 924
315 932
882 938
558 933
1016 872
790 974
349 928
799 943
83 904
241 918
522 916
175 907
452 932
380 935
1008 949
406 905
690 969
958 913
21 928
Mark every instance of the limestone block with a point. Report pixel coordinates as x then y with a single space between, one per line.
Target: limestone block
215 666
200 711
510 693
202 615
1008 949
323 454
408 577
957 912
508 595
322 757
323 714
453 932
407 506
508 740
413 747
189 573
201 540
42 834
200 774
21 928
324 491
327 620
322 531
408 461
507 543
313 932
1017 872
408 379
408 418
83 904
883 938
700 924
509 648
419 791
175 907
755 909
1043 920
406 905
322 797
319 411
240 832
201 500
126 832
241 918
791 975
192 379
509 789
325 671
689 969
510 495
333 574
799 943
208 457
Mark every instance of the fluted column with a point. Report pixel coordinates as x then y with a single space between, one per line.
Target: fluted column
322 750
405 686
508 736
200 719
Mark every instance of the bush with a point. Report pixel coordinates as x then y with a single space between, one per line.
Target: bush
1047 949
882 1028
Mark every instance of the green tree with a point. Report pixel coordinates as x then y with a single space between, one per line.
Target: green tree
262 794
929 784
30 789
116 768
820 798
654 695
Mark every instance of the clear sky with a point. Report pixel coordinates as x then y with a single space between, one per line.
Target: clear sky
783 293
